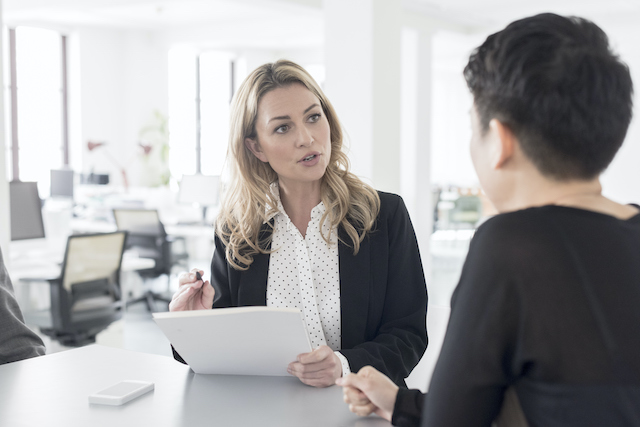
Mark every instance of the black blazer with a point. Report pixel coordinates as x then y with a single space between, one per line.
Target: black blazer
383 294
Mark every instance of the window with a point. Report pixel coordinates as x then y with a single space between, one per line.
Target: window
215 98
35 82
200 91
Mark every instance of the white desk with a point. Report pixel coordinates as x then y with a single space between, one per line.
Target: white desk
53 390
91 226
198 238
50 269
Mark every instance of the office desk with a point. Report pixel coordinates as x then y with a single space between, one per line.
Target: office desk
198 238
53 390
180 230
45 269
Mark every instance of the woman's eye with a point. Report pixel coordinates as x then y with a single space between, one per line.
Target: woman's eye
314 118
282 129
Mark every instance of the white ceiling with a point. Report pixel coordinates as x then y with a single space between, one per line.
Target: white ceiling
163 14
492 13
221 23
156 14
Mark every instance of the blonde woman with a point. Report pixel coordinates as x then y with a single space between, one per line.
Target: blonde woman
297 229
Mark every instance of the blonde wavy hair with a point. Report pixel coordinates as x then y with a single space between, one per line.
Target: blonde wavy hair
248 201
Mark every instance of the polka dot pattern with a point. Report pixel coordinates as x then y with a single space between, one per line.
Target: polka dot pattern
304 274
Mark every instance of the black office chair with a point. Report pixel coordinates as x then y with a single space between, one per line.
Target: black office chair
148 239
86 297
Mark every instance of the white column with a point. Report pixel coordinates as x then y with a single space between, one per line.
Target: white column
4 186
416 135
423 205
416 175
362 58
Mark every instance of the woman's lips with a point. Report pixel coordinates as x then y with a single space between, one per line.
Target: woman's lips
310 159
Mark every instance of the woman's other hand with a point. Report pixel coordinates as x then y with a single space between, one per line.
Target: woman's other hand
369 391
319 368
192 293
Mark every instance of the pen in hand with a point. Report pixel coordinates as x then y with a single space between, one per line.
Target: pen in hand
199 277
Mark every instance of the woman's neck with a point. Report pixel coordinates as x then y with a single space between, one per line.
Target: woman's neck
298 201
580 194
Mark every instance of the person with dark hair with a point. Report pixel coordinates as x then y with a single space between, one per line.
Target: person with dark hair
17 341
544 322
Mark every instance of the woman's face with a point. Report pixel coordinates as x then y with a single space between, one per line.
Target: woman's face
477 147
293 135
480 148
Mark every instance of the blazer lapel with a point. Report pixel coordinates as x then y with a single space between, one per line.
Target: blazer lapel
253 282
355 278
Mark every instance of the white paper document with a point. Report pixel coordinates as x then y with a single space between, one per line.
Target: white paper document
238 340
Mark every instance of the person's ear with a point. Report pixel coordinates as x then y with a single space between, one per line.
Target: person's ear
505 142
254 146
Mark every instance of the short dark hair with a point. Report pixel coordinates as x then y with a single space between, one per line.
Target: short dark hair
555 82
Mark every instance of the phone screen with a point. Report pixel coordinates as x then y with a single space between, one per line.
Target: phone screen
121 389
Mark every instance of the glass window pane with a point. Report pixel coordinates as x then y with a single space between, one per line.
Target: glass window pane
215 93
182 111
39 68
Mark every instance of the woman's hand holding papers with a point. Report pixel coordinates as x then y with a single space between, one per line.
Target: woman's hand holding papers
369 391
193 293
319 368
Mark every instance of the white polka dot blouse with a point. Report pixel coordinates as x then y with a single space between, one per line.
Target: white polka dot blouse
304 274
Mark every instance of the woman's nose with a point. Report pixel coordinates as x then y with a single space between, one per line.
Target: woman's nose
304 137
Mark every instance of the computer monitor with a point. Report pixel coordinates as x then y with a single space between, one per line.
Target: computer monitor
62 183
201 190
94 178
26 211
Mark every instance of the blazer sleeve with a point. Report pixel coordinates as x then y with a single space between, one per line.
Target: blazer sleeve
220 280
396 332
17 341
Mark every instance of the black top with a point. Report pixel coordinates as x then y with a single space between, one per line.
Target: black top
549 302
383 295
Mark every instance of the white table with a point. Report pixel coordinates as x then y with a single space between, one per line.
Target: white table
45 269
52 390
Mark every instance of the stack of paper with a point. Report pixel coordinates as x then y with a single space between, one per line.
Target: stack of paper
237 341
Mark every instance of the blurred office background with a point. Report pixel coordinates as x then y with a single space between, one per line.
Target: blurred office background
124 98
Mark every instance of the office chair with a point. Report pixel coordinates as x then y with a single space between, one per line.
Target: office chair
85 298
148 238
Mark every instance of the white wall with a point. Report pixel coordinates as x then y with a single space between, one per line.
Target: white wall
145 91
451 100
362 56
621 181
123 79
101 53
